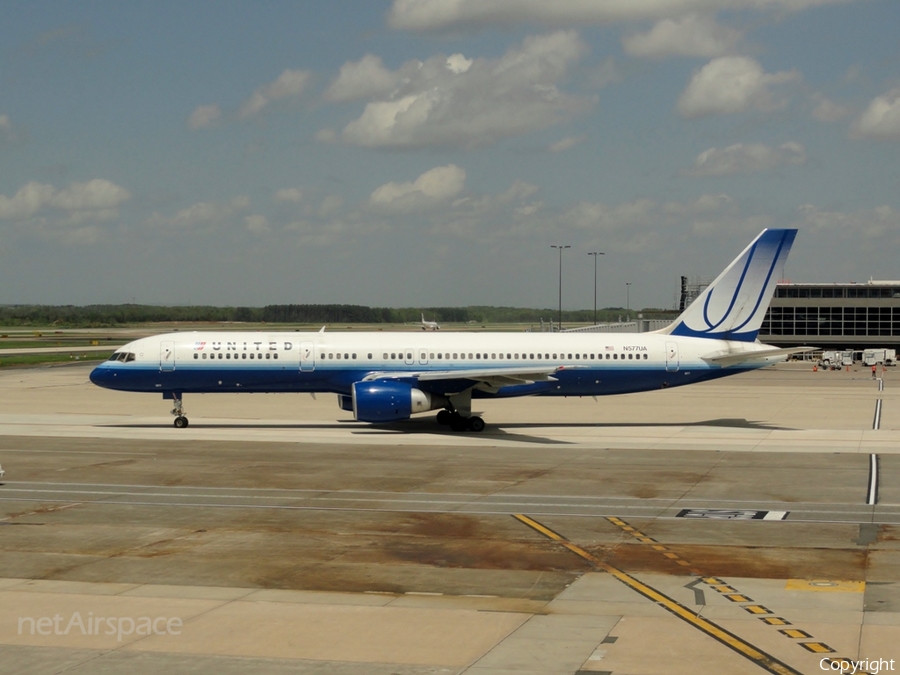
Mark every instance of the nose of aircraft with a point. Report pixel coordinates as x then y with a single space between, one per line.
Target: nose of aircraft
100 376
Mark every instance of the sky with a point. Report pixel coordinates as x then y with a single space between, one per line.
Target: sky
430 152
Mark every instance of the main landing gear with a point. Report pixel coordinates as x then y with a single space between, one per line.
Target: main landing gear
181 421
458 414
458 422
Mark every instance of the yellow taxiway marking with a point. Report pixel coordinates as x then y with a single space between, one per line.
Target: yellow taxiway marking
742 647
825 586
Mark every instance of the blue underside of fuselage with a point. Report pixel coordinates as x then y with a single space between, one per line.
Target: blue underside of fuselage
568 382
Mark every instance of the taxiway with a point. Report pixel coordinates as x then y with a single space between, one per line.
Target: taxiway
747 525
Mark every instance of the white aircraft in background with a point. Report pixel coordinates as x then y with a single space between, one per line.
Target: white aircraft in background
429 325
387 377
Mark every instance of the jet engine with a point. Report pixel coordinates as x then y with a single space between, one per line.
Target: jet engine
390 401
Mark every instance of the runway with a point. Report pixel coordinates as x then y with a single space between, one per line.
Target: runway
748 525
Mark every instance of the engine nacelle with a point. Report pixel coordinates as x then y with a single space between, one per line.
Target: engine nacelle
389 401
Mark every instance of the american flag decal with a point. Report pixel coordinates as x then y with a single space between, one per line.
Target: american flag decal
198 346
610 349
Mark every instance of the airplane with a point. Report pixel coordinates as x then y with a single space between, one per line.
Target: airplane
388 377
432 325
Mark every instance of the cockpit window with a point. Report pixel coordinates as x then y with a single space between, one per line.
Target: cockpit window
122 356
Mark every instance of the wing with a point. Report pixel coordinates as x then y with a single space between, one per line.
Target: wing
483 379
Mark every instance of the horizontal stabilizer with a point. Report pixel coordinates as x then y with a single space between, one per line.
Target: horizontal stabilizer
732 358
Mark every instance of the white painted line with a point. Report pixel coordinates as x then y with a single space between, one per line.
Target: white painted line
775 515
872 492
876 423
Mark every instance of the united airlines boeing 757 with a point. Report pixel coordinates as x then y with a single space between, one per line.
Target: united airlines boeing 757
388 377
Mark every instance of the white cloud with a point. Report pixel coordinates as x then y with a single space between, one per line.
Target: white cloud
6 128
880 224
205 116
433 187
455 100
731 84
207 213
567 143
827 110
690 35
365 78
293 195
257 224
330 206
881 120
425 15
289 84
97 199
746 158
604 74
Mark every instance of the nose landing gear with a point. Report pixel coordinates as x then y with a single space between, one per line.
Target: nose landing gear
181 421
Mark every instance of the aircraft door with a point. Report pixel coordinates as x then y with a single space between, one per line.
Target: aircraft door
423 356
409 355
671 357
167 355
307 357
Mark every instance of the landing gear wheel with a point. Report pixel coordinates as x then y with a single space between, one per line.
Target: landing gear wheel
444 417
475 424
181 422
458 422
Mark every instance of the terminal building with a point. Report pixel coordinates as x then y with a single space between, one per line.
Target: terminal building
834 315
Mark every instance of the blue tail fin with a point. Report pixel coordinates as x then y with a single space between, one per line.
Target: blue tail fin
733 306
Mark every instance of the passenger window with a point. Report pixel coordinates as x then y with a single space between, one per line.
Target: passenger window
244 356
267 355
615 356
196 356
478 356
346 357
275 356
204 356
470 356
338 357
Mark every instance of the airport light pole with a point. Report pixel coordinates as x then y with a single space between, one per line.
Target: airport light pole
560 247
627 300
595 254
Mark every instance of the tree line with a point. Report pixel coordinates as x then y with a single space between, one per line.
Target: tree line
117 315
